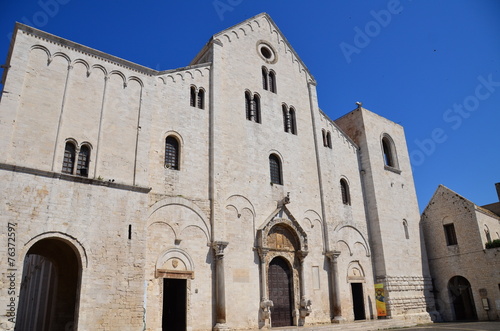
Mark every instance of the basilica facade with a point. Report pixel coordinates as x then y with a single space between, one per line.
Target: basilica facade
214 196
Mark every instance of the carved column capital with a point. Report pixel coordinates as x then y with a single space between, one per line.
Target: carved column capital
332 255
302 255
218 247
262 253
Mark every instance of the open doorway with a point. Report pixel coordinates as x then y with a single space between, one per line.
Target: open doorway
358 301
461 297
174 304
48 298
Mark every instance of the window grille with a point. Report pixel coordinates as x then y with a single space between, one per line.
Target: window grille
69 158
275 167
171 153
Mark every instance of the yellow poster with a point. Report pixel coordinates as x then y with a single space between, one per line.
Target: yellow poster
380 300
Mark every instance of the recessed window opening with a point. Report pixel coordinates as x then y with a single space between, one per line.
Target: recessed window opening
252 107
82 168
289 120
268 80
197 97
275 168
344 188
69 158
389 152
405 226
451 237
171 153
266 52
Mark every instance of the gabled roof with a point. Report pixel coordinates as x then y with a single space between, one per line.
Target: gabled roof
239 28
442 188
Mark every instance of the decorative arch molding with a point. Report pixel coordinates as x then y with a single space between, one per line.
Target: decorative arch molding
240 203
174 263
45 49
355 272
290 223
182 202
119 73
71 241
338 233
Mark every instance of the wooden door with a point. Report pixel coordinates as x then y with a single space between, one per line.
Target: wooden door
280 292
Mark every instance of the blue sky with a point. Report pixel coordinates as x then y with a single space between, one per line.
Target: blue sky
431 66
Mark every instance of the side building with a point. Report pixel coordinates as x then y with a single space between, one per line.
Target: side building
214 196
464 264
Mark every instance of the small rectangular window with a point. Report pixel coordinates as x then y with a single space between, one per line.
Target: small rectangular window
451 237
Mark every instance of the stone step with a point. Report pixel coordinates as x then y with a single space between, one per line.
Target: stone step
352 326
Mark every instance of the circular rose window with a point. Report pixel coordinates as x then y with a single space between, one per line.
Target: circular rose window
266 52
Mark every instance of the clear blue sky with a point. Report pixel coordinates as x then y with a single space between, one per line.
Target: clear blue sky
431 66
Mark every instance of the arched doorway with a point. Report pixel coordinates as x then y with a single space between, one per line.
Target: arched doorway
49 292
461 298
280 292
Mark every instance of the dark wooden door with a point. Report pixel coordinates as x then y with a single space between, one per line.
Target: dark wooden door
280 292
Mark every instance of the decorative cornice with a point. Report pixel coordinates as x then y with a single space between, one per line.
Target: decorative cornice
71 178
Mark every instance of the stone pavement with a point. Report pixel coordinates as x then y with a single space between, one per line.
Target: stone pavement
399 325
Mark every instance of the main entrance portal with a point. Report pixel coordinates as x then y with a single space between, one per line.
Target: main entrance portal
174 305
280 292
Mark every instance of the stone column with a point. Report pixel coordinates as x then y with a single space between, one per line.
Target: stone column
334 274
220 295
305 304
265 303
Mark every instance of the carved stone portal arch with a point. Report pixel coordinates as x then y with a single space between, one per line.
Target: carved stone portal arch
283 237
174 263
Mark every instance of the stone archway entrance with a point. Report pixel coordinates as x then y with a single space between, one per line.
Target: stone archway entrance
48 298
280 292
461 298
282 247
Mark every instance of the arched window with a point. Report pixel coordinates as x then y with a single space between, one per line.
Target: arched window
275 168
171 153
344 188
285 118
272 81
293 121
192 98
248 106
256 101
487 233
201 98
324 137
264 78
389 152
69 158
328 140
405 226
82 167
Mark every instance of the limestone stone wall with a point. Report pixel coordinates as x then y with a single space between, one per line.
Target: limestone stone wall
133 221
111 264
468 258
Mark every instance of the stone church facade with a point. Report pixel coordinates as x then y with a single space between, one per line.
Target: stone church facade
214 196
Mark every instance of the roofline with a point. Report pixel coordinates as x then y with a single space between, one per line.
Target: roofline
338 128
266 15
83 49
